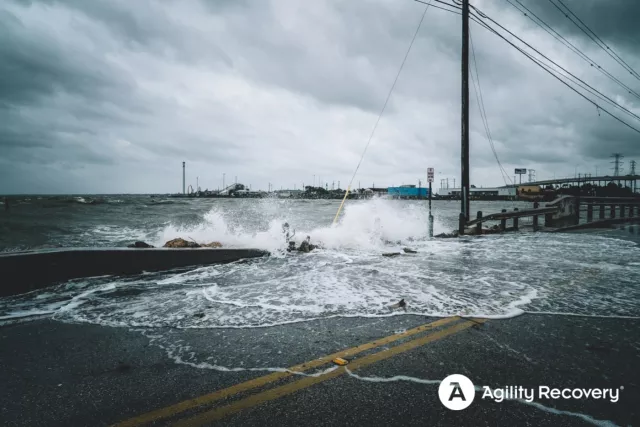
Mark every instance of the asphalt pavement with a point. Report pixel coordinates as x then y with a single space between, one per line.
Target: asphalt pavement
58 374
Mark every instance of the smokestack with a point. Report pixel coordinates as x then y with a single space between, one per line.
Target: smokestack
183 181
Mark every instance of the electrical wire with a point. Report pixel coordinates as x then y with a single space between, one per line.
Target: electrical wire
576 79
547 69
404 60
546 27
597 40
483 111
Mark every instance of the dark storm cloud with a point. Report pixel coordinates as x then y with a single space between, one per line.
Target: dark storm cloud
279 91
614 21
30 70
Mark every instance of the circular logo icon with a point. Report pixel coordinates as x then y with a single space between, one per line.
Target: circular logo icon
456 392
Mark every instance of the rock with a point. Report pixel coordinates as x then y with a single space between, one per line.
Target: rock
409 251
304 246
180 243
212 245
140 245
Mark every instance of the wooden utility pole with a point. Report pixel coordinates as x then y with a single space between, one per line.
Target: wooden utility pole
465 111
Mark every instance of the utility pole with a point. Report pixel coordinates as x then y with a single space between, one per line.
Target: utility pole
465 112
223 187
183 177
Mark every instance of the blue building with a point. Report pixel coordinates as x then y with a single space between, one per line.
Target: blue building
408 192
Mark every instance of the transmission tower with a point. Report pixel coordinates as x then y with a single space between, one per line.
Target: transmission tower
532 175
617 164
633 167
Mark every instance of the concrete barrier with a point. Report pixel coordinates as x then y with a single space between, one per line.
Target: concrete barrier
22 272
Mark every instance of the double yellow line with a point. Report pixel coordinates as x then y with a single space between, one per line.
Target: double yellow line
284 390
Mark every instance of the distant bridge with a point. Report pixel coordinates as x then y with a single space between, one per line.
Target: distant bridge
583 180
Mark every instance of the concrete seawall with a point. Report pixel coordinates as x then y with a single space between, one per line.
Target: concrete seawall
26 271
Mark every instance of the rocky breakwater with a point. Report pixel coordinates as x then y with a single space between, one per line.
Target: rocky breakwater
178 243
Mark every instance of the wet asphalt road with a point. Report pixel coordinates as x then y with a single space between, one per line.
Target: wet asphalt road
56 374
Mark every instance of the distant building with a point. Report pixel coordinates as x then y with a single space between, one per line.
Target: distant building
408 192
479 192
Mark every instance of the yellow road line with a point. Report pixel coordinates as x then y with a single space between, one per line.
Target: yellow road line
177 408
278 392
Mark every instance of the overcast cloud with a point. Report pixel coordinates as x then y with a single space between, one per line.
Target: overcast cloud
111 96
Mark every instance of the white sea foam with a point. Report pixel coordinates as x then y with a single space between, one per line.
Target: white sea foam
496 277
364 225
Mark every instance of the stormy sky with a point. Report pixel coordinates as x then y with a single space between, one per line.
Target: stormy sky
112 96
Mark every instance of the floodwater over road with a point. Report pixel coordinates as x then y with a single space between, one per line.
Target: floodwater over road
493 276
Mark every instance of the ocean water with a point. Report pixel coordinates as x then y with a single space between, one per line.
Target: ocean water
498 276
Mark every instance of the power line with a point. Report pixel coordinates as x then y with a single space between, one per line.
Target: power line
597 40
440 7
404 60
538 21
568 74
483 112
576 79
546 68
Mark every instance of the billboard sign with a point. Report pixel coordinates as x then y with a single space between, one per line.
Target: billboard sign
520 171
430 173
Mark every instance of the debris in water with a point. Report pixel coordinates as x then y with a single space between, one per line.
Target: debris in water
409 251
390 254
400 304
340 361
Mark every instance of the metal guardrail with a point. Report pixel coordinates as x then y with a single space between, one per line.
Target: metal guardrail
513 214
563 212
